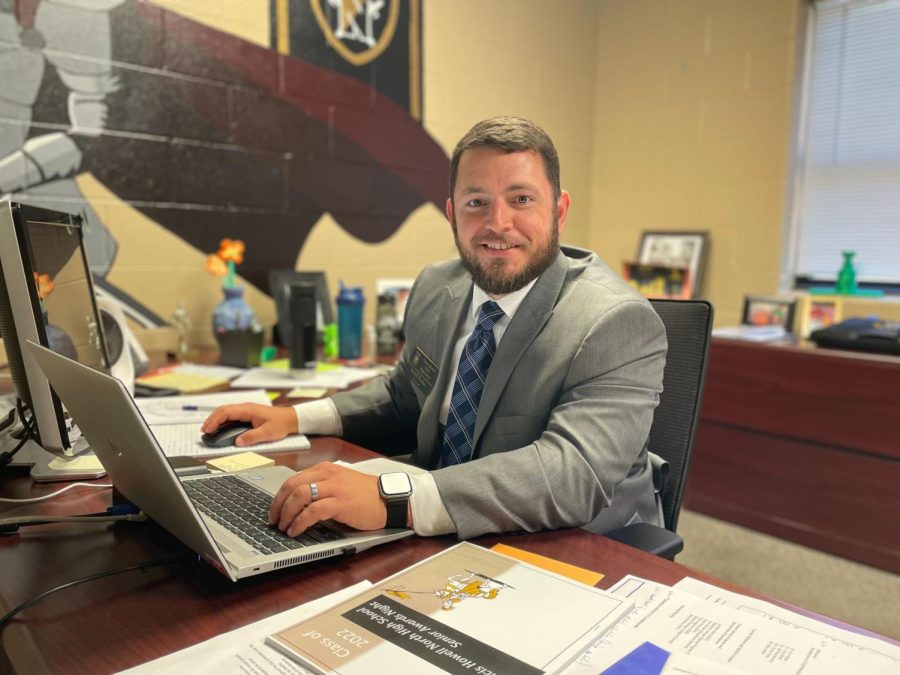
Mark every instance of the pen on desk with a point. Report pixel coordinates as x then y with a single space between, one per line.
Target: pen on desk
207 408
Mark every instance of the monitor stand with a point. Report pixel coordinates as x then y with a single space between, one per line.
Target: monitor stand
47 467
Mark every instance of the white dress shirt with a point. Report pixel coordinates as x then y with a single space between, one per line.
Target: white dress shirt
430 517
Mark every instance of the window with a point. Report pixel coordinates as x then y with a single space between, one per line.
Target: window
846 194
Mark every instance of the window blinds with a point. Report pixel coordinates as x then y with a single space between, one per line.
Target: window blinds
848 193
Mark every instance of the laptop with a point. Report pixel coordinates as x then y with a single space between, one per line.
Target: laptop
194 509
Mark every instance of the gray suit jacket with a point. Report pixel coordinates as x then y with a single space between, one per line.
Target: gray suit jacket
561 433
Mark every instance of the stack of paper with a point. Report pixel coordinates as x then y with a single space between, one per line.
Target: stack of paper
194 408
752 333
176 420
189 378
244 650
710 631
537 617
337 378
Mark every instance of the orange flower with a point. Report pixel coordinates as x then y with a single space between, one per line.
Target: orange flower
44 285
215 265
233 250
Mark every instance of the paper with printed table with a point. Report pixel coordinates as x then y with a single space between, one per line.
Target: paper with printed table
464 610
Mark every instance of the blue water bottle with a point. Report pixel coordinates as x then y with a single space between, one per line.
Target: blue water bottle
350 303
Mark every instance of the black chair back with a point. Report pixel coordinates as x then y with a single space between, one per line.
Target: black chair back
688 324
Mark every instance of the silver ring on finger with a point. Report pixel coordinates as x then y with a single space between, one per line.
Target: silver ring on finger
314 491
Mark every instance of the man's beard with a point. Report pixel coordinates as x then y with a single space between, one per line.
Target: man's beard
496 280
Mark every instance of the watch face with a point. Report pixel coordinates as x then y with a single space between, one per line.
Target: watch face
395 484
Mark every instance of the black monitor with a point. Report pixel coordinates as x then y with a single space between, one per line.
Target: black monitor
280 282
46 296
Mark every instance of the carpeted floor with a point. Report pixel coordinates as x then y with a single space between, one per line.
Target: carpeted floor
839 588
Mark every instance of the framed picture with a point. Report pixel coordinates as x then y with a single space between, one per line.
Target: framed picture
676 249
819 312
761 310
658 281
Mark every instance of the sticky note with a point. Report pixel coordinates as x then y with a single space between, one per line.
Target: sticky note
239 462
83 463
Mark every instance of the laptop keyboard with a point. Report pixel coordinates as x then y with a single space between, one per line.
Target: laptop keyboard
244 510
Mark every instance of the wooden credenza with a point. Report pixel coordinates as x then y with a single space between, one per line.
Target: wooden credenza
803 444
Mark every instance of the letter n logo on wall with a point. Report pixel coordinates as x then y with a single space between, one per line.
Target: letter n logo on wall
375 41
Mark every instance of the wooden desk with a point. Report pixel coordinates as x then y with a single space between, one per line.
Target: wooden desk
120 621
803 444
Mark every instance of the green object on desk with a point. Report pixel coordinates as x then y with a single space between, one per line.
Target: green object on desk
846 281
268 354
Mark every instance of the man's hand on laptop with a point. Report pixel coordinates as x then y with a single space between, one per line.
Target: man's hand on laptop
344 495
270 423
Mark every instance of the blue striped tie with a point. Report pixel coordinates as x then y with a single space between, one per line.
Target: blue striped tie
474 364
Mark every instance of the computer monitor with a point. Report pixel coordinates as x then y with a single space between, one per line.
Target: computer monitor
47 296
280 282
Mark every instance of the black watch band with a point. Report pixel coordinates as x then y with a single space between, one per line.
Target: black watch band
396 513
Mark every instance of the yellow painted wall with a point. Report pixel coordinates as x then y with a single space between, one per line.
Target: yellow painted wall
693 110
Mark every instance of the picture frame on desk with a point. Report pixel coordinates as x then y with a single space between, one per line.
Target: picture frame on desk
767 310
818 311
686 249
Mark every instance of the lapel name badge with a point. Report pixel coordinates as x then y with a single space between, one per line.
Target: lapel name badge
423 371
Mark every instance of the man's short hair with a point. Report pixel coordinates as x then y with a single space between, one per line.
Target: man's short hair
509 134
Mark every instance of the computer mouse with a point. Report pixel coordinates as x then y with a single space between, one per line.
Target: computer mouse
226 434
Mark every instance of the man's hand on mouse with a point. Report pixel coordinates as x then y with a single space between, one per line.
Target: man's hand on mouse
270 423
344 495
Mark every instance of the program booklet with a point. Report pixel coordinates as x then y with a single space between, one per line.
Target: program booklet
464 610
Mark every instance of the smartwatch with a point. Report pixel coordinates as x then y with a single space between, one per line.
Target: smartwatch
395 489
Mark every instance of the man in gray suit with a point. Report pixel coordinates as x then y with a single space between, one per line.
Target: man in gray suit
529 374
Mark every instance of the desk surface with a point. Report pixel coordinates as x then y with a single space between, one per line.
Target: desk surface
120 621
113 623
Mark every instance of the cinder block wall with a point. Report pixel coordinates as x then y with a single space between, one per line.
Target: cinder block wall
692 121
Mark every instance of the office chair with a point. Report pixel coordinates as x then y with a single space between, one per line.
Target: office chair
688 324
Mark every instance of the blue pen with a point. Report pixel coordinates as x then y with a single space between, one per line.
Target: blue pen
199 407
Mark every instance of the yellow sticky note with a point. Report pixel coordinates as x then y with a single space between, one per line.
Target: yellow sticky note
306 392
240 462
326 367
83 463
565 569
273 395
278 364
